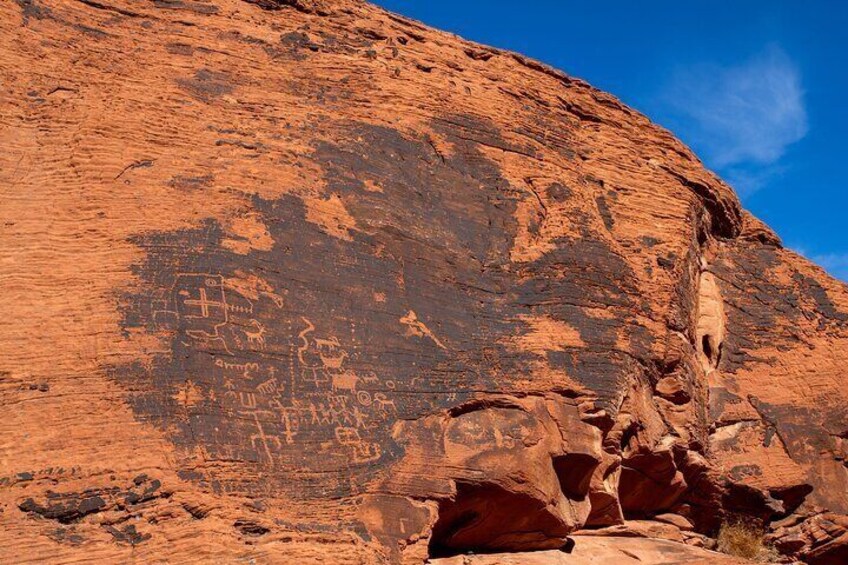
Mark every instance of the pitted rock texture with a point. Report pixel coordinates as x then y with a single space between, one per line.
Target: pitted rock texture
306 281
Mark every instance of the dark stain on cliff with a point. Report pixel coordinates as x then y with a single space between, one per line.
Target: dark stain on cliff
604 211
197 7
71 507
65 509
32 9
207 85
767 306
343 338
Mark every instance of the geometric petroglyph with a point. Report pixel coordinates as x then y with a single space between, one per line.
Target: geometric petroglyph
361 451
279 387
202 302
196 304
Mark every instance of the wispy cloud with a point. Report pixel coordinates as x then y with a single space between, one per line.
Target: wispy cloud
834 263
740 118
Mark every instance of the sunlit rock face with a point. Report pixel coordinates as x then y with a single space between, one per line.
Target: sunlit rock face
298 280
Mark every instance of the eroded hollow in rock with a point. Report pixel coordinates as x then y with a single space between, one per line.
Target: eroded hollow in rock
650 482
486 518
574 471
707 348
710 329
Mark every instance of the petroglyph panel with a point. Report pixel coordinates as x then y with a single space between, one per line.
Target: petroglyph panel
303 354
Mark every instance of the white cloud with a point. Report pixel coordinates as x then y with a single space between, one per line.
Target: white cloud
834 263
741 118
748 179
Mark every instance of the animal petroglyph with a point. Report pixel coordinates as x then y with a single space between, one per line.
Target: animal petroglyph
256 336
417 328
331 354
322 359
345 381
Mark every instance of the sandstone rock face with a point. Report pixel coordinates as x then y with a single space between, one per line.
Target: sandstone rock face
305 281
592 551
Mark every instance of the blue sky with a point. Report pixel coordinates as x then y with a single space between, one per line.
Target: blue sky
759 89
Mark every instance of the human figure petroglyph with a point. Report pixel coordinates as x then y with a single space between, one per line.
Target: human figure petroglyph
263 439
324 414
336 412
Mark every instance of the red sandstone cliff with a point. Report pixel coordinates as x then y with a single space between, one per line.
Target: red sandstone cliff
305 281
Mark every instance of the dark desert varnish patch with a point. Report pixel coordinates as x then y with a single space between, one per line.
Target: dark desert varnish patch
344 336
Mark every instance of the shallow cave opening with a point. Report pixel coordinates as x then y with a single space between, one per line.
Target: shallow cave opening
574 471
706 347
711 349
792 496
487 518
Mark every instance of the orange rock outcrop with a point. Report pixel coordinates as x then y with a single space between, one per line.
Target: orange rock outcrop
295 281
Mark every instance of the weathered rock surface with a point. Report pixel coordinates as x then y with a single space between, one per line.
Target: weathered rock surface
305 281
593 551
